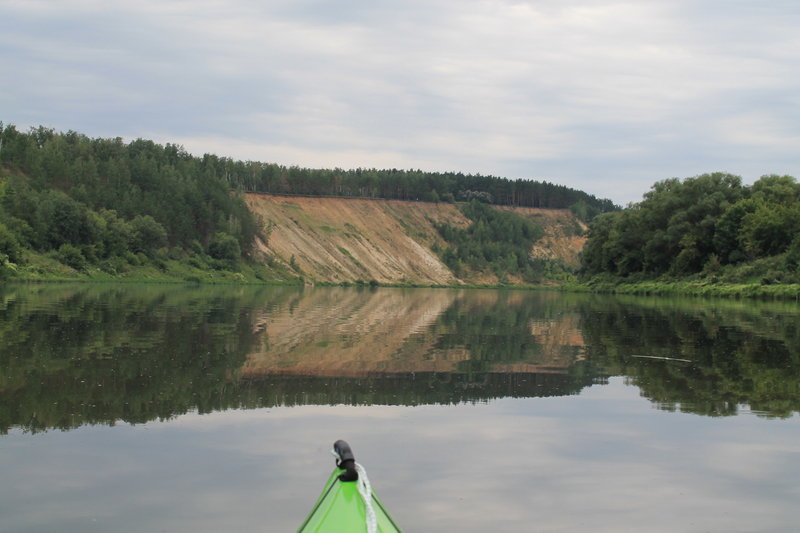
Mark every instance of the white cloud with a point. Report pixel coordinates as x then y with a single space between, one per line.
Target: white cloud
759 130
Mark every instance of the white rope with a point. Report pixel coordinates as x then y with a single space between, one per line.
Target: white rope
365 490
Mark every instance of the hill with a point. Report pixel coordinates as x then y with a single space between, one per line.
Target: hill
72 207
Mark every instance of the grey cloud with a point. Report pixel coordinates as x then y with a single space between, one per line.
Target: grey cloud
581 93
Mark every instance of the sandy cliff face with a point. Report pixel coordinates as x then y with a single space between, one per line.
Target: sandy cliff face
337 240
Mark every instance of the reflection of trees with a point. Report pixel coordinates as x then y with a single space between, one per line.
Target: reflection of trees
89 355
409 388
741 353
511 328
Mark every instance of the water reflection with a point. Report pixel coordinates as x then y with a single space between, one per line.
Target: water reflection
739 353
92 354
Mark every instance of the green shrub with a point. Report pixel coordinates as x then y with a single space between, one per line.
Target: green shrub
147 235
225 249
71 256
792 258
9 245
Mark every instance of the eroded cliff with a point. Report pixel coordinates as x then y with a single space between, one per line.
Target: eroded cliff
341 240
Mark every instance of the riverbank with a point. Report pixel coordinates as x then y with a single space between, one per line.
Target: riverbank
41 268
701 288
181 274
163 268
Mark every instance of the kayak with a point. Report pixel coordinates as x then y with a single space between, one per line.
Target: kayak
347 502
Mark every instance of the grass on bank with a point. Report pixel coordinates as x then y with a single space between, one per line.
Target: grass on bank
767 278
37 267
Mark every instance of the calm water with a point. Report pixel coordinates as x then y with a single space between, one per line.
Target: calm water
162 408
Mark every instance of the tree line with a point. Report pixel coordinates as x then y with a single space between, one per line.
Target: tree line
700 225
399 184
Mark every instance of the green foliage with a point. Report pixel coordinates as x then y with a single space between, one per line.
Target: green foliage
792 259
698 225
225 248
115 234
586 210
120 203
10 248
71 256
113 201
147 235
728 235
400 185
61 220
770 228
499 241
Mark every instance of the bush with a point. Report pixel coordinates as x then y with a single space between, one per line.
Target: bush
792 259
147 235
6 268
115 265
9 245
225 248
71 256
197 262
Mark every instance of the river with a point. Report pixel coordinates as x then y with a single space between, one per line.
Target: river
213 408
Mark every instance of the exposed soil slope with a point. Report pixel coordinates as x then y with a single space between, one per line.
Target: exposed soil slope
564 233
337 240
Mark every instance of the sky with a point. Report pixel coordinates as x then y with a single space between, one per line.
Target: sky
604 96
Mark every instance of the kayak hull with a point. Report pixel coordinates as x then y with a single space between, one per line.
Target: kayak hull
340 508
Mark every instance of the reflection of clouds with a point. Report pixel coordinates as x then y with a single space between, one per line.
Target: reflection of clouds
757 458
602 461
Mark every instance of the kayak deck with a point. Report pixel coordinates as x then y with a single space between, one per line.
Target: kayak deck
340 508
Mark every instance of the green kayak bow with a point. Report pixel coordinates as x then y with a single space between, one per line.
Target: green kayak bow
348 503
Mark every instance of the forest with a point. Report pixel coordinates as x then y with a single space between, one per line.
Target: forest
709 225
110 204
397 184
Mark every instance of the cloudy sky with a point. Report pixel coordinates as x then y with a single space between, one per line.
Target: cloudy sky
601 95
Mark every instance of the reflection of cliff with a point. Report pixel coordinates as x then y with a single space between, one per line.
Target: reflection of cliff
560 341
348 333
